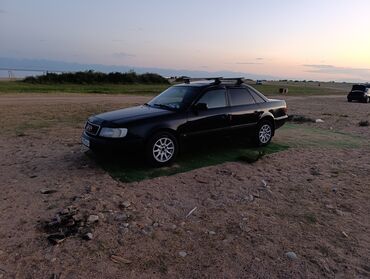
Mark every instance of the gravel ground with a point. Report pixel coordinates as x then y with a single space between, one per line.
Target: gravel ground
301 213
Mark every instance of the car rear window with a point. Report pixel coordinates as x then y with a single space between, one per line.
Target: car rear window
358 88
240 96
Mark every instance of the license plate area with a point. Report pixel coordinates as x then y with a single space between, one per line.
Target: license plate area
85 142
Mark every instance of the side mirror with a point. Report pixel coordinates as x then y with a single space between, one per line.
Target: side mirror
201 107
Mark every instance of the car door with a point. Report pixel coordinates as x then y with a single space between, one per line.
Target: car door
244 111
213 118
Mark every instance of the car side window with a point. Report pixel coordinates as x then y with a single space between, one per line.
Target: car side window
240 96
256 97
214 98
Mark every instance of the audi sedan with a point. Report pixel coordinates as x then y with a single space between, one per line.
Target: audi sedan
209 108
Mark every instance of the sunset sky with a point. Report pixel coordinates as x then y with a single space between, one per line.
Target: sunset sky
305 39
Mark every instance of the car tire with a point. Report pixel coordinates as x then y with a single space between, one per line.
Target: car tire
162 149
264 133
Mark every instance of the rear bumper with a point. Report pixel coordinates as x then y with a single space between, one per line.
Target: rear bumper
280 121
107 144
357 97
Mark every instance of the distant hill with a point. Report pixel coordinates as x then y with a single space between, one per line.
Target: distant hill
51 65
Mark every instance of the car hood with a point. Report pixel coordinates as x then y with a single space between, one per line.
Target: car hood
130 114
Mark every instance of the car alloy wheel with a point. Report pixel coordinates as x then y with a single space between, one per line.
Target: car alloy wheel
265 133
163 150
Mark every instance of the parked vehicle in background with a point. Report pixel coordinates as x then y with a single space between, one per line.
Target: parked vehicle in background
259 82
359 93
210 108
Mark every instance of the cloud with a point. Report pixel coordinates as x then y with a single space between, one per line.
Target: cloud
123 55
248 63
363 73
2 11
260 58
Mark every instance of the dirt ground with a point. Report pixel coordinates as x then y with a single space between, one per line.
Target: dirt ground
312 199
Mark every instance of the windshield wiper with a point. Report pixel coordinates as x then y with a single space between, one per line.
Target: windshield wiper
164 106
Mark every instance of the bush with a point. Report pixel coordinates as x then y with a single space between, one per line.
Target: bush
364 123
92 77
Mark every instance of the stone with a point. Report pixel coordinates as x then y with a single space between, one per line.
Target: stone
93 219
121 217
291 255
126 204
89 236
183 254
101 216
211 232
123 230
47 191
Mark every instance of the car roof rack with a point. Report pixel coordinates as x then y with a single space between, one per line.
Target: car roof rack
238 80
217 80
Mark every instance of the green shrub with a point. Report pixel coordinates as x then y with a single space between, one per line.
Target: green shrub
92 77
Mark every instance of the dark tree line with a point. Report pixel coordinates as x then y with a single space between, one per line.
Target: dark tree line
92 77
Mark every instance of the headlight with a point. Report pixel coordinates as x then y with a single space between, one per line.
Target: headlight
113 132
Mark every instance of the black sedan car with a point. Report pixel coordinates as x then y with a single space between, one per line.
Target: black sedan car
210 108
360 93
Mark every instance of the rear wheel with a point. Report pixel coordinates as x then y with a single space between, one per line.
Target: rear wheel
162 149
264 133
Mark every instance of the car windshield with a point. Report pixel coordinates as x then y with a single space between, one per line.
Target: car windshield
174 98
359 88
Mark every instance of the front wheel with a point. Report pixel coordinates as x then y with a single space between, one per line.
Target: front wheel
264 133
162 149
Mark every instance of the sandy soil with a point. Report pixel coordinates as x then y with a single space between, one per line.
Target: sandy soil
312 200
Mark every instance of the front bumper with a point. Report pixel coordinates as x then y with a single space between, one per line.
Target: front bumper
122 144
